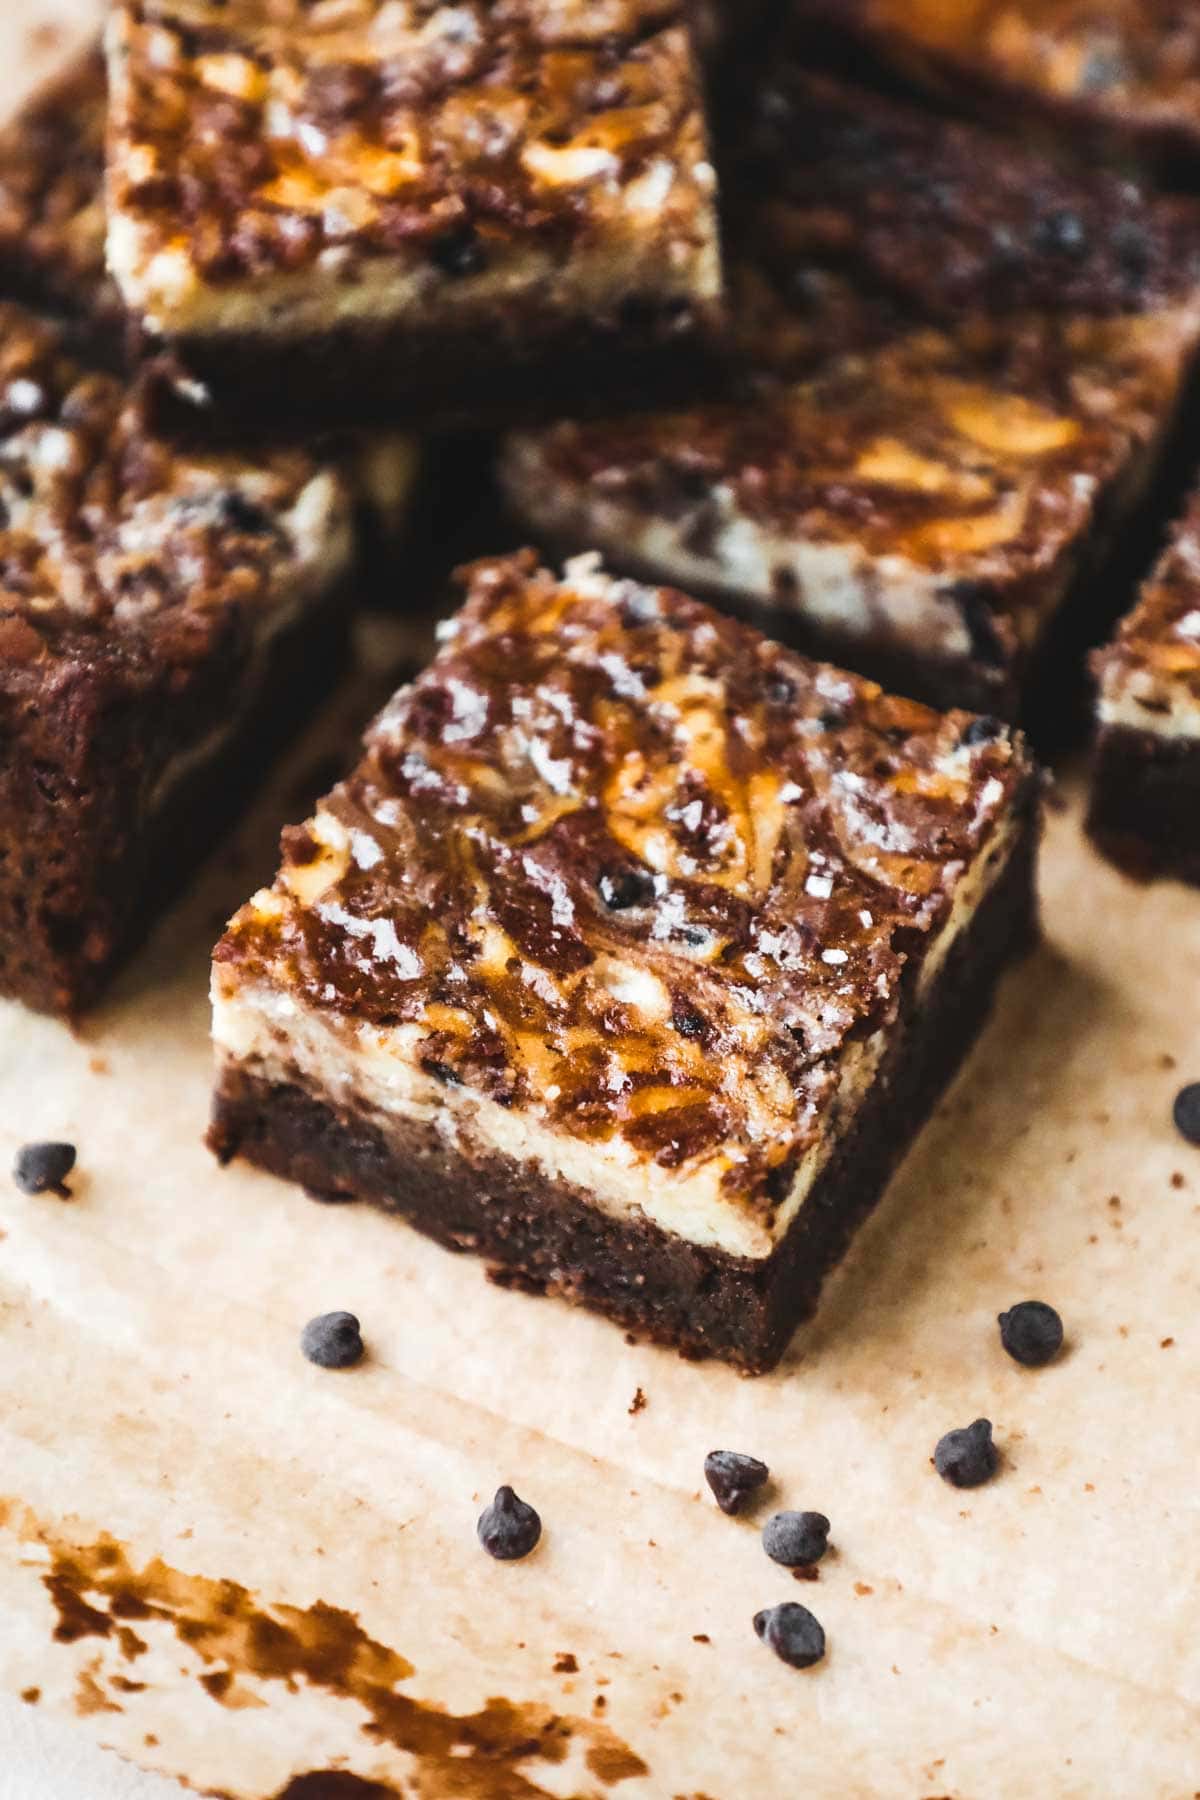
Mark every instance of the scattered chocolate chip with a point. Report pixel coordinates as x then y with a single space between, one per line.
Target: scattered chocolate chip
620 888
796 1538
967 1457
733 1478
1186 1112
508 1529
1031 1332
43 1169
459 252
982 730
332 1340
638 1403
792 1632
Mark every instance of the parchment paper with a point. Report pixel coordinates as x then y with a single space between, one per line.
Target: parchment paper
241 1570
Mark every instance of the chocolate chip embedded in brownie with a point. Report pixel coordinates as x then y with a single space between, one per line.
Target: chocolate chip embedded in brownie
949 403
407 200
166 618
1145 785
630 956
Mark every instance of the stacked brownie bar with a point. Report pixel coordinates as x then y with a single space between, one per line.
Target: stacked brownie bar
630 957
959 362
170 616
1145 801
331 213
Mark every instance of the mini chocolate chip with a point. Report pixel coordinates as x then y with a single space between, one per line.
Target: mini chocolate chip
967 1457
620 888
43 1169
459 252
733 1478
441 1072
332 1340
241 514
508 1529
690 934
982 730
1186 1112
791 1631
687 1021
1031 1332
830 721
781 690
796 1538
980 620
1062 232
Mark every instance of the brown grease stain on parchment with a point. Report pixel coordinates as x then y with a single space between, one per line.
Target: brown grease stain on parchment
96 1591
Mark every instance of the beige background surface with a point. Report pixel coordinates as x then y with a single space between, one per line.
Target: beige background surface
234 1567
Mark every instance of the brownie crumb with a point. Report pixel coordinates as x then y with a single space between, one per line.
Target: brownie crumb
806 1572
1177 1178
1186 1112
701 1637
1165 1343
967 1457
733 1478
638 1403
509 1528
796 1538
43 1169
333 1340
565 1664
792 1632
1032 1332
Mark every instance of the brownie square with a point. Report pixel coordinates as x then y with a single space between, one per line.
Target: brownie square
327 214
630 957
955 364
1145 780
1124 74
167 619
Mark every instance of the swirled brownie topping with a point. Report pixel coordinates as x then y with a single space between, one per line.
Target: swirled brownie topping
110 535
974 456
1153 664
619 862
251 141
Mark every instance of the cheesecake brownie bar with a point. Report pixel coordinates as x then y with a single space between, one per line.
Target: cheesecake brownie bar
166 620
1145 790
958 365
630 957
52 220
332 212
1126 72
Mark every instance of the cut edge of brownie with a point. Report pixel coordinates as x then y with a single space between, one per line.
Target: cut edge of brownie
1144 802
545 1235
74 913
395 373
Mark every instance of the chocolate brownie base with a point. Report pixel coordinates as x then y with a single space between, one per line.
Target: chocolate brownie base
1144 812
548 1237
355 376
83 876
